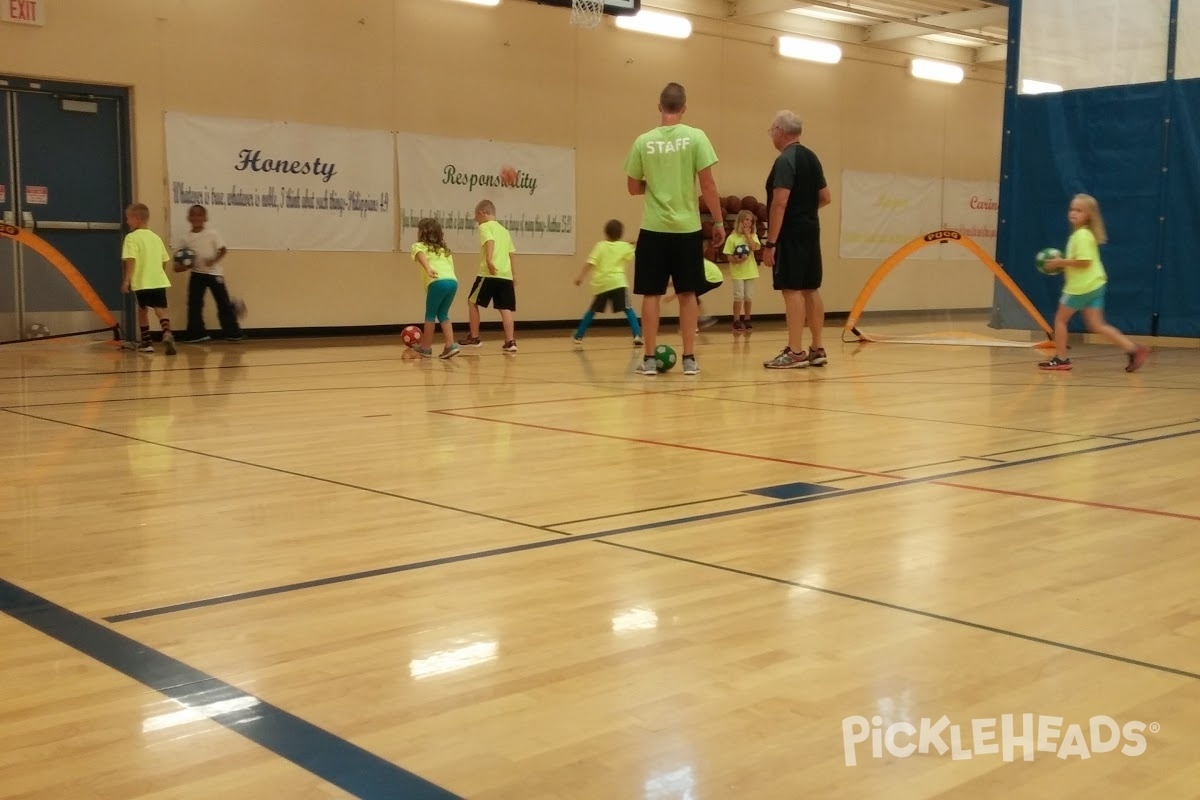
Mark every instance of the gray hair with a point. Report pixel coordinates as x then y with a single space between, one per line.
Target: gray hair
789 122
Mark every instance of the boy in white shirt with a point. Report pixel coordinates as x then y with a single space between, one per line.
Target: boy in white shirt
207 276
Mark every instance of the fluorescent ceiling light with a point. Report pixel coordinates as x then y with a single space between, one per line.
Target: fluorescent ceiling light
483 2
809 50
936 71
1038 87
659 24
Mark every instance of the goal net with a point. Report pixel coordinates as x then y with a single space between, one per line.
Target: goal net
43 295
915 296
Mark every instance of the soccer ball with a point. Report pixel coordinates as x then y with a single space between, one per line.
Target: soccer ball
38 330
185 259
1046 255
664 358
411 335
741 251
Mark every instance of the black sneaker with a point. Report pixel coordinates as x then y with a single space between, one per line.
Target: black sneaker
1056 364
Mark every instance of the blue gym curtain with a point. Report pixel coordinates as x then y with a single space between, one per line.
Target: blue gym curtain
1122 129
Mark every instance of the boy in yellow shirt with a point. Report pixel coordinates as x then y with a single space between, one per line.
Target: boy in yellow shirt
494 285
143 255
610 284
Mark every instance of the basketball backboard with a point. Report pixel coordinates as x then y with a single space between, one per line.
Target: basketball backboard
614 8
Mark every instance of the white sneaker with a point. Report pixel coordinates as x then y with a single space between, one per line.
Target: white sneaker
689 366
649 367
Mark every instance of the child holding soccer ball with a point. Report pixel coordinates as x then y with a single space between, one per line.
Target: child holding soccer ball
740 246
1083 286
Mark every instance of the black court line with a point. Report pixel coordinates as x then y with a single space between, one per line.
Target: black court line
497 381
943 463
347 766
885 416
1065 385
1155 427
175 366
647 510
909 610
585 537
854 477
292 473
1077 440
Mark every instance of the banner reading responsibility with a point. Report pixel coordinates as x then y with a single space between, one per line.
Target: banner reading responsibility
283 185
532 186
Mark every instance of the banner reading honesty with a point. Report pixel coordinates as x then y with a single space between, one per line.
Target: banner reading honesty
533 187
283 185
882 212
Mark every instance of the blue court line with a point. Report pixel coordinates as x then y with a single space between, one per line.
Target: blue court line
909 610
347 766
584 537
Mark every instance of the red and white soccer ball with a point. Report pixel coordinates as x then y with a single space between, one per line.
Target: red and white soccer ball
411 335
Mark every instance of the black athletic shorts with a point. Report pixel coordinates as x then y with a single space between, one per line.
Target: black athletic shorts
614 299
151 298
674 258
706 288
496 292
798 262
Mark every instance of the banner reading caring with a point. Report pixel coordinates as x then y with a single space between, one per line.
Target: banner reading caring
532 186
283 185
972 209
883 212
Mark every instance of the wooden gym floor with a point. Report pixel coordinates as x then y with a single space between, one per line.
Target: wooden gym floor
328 569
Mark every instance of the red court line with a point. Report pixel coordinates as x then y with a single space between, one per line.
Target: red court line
644 393
1089 503
693 448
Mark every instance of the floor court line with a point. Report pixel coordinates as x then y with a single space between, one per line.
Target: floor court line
1154 427
887 416
243 348
345 765
909 610
675 445
646 510
1088 503
292 473
584 537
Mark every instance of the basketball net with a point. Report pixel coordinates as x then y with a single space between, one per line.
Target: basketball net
586 13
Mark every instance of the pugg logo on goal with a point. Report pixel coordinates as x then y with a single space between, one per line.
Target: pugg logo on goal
937 236
1029 734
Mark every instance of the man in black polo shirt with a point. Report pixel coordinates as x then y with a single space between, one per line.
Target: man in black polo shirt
796 189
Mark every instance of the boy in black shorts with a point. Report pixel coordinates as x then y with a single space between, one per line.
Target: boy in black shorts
143 254
494 285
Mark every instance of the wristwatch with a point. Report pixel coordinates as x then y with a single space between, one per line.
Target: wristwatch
768 245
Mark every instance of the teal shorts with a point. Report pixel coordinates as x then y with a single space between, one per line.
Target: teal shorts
1078 302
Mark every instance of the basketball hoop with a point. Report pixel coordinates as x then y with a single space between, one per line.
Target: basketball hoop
586 13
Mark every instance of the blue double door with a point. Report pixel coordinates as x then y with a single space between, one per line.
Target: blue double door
64 176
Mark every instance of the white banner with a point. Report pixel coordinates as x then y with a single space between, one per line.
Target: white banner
972 208
283 185
533 187
882 213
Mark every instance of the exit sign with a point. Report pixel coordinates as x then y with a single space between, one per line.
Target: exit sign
26 12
